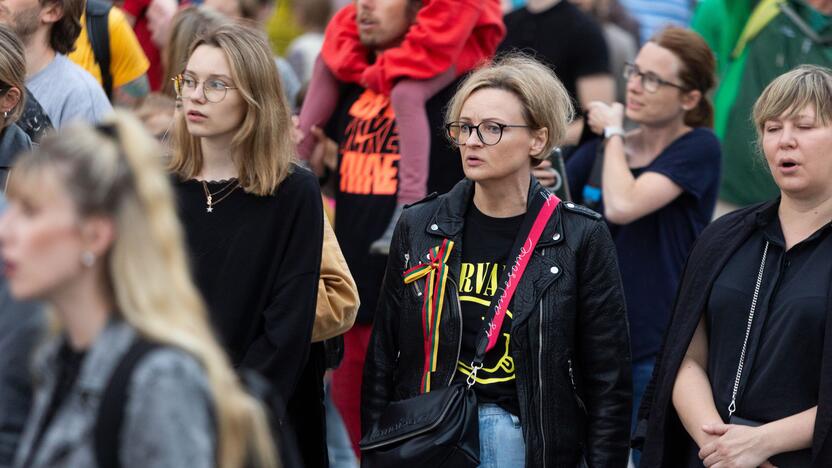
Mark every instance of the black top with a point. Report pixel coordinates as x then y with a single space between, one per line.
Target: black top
256 260
563 37
368 159
68 368
665 440
652 249
487 245
781 375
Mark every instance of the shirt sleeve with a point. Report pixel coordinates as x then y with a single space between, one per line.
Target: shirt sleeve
692 162
280 353
128 61
592 56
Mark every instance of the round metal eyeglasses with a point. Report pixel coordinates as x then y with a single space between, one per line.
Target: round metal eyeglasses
649 80
213 89
489 133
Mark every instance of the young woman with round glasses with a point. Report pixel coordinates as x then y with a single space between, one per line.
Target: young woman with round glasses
657 184
253 219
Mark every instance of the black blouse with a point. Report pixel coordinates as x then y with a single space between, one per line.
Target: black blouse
781 374
256 260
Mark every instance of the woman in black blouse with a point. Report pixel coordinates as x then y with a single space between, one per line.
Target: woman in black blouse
751 387
253 219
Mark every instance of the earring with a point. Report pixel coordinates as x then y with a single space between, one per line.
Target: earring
5 114
88 259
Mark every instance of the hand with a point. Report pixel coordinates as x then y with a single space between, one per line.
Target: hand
601 115
296 133
325 154
737 447
159 17
544 173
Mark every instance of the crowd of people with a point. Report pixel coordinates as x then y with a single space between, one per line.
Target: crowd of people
415 232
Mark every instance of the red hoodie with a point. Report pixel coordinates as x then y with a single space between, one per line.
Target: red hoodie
464 33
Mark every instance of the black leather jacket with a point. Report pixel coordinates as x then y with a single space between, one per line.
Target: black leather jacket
569 334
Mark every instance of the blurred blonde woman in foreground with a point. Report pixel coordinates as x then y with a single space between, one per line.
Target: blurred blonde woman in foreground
91 230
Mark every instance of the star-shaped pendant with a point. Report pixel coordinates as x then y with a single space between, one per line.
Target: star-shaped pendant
209 209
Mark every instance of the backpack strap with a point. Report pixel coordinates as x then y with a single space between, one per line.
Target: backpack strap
98 13
110 419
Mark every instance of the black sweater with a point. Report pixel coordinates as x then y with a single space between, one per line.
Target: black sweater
256 260
666 440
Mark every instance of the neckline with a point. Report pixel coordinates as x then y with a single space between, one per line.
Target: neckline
666 148
213 182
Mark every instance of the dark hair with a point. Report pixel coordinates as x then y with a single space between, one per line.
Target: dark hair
314 13
698 69
65 31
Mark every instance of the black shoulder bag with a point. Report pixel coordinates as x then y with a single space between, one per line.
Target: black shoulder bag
440 428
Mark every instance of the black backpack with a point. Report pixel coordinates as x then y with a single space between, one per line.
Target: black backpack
98 32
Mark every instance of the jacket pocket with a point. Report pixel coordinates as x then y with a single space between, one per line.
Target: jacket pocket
578 400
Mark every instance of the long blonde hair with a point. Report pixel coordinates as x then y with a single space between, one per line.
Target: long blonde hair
113 170
263 141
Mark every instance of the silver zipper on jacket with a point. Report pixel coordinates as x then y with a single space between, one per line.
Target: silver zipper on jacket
575 387
540 380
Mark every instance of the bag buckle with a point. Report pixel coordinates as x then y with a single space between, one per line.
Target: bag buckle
472 377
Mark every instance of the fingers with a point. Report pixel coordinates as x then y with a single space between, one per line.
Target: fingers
717 429
767 464
707 450
317 132
544 174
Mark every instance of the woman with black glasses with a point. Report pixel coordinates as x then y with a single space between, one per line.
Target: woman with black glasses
657 184
551 374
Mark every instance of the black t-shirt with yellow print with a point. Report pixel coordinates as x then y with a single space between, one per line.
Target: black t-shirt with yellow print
486 246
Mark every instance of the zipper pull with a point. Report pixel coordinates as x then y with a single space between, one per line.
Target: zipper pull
406 260
571 375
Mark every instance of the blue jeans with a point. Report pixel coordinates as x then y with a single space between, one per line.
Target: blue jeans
338 442
501 438
642 371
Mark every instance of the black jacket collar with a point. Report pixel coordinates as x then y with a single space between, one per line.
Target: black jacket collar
449 217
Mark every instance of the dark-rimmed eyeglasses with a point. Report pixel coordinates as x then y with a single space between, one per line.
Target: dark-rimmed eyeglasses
489 133
213 89
650 81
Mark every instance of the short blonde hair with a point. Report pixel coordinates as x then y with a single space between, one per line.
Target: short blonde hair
546 103
793 91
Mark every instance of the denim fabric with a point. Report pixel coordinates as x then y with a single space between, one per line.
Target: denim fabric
501 438
338 442
642 371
